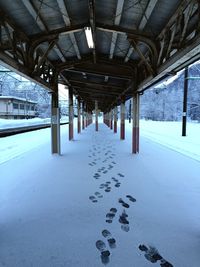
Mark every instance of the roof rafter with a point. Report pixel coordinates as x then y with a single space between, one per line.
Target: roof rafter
41 24
147 13
66 19
93 26
118 13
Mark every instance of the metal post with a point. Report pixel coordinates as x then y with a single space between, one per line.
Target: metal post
83 114
122 125
96 115
115 120
111 119
129 113
55 123
71 114
185 93
79 116
135 130
87 119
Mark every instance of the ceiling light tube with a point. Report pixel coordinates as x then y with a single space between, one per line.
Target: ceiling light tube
89 38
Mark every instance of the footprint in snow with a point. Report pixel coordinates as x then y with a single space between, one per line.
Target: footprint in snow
123 220
110 215
93 199
99 195
132 199
124 204
152 255
110 239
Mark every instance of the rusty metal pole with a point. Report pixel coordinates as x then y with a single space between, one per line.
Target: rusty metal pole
115 120
122 117
85 116
55 123
71 114
96 116
79 116
129 112
185 93
135 130
111 119
107 115
83 120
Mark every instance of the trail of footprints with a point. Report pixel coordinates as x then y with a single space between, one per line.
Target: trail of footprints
101 246
96 153
152 255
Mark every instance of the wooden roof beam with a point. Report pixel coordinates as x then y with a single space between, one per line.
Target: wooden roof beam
101 72
41 24
67 21
147 14
93 27
94 84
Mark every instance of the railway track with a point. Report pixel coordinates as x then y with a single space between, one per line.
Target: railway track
24 129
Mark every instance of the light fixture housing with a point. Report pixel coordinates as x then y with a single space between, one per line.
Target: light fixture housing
88 33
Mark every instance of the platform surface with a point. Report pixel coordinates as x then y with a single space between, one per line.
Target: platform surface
54 209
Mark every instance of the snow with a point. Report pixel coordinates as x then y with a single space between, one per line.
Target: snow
169 134
4 124
48 220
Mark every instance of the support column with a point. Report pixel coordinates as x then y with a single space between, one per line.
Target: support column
96 116
129 112
83 115
55 123
71 114
185 93
115 120
107 119
122 117
86 124
136 118
111 119
79 115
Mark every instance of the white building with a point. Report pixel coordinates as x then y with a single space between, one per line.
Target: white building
16 108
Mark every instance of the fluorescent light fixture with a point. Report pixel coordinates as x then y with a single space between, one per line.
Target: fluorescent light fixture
89 38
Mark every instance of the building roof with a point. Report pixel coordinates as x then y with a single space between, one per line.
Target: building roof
136 43
17 98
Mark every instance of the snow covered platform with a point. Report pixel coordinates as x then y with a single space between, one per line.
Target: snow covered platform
99 199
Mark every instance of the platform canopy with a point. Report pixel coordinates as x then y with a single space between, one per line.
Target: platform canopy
136 43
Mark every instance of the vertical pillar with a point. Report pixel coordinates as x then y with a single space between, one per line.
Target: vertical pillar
55 123
96 116
71 114
122 117
87 119
83 115
106 118
135 130
79 116
129 112
111 119
185 93
115 119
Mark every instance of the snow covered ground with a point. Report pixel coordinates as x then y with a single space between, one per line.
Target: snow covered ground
169 134
55 209
164 133
4 124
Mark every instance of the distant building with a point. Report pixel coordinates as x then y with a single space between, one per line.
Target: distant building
16 108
